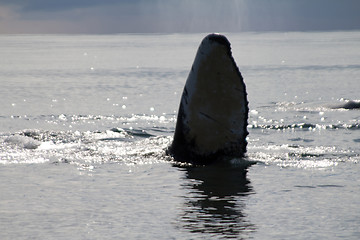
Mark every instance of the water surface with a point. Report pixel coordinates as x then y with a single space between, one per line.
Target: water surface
85 120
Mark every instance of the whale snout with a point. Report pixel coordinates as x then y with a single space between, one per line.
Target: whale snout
215 37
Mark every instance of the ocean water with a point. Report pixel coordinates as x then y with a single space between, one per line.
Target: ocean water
85 120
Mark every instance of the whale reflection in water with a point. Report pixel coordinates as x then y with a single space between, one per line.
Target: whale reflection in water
214 200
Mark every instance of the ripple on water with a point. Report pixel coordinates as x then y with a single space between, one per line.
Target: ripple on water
118 146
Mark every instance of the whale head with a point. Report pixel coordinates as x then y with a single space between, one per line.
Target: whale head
213 112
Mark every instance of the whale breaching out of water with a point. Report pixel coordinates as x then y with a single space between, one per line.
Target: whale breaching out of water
213 112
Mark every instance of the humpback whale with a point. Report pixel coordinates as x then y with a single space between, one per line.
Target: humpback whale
213 112
348 105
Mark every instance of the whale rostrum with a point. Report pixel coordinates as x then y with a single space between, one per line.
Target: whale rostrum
213 113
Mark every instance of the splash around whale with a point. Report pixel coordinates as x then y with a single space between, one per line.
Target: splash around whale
213 112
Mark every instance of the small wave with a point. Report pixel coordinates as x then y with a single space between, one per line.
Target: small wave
320 186
94 122
139 133
304 67
340 105
23 141
305 126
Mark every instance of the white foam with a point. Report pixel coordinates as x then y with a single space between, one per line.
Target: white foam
23 141
285 155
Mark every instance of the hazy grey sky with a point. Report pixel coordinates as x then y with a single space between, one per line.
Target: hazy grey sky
142 16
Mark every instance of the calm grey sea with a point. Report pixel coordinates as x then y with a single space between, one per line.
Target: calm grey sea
85 120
